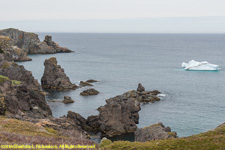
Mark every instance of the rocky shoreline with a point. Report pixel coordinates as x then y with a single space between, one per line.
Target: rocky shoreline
22 98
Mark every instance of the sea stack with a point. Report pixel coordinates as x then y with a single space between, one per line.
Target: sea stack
54 77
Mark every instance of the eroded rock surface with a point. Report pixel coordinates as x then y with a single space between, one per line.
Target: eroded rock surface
120 114
154 132
11 52
20 93
54 77
30 43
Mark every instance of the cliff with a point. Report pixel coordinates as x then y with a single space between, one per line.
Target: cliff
31 44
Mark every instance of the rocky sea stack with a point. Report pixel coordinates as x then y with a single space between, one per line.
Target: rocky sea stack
54 77
31 44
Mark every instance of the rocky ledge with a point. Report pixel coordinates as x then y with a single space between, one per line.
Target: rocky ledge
154 132
31 44
54 77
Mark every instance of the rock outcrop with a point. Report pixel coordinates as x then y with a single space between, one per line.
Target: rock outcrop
120 114
11 52
89 92
20 93
54 77
30 43
67 100
154 132
48 40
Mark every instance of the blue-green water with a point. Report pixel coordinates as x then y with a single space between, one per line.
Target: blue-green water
195 100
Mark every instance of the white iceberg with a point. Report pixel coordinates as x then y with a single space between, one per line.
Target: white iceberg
204 65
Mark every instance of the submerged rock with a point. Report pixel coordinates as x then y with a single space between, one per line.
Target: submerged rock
91 81
82 84
67 100
89 92
30 43
154 132
54 77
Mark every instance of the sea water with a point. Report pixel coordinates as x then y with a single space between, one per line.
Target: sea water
195 100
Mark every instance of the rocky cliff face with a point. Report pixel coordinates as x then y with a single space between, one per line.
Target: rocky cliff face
11 52
30 43
20 93
54 77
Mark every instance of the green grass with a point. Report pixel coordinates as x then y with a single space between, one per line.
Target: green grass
4 79
211 140
25 128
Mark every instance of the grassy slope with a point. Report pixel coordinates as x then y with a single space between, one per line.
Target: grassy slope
14 131
211 140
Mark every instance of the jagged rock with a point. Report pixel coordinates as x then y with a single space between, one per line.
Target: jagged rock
54 77
30 43
48 40
21 100
91 81
140 88
82 84
11 52
67 100
120 114
93 123
89 92
19 73
154 132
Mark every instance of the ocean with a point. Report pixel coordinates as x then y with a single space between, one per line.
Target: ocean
195 100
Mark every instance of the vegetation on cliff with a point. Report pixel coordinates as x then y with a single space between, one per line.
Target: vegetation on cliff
211 140
13 131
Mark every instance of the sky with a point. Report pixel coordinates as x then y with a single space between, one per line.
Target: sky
129 16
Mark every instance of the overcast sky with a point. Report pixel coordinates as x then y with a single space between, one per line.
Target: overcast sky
150 16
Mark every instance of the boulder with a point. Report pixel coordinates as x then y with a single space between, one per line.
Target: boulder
154 132
67 100
82 84
89 92
54 77
30 43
